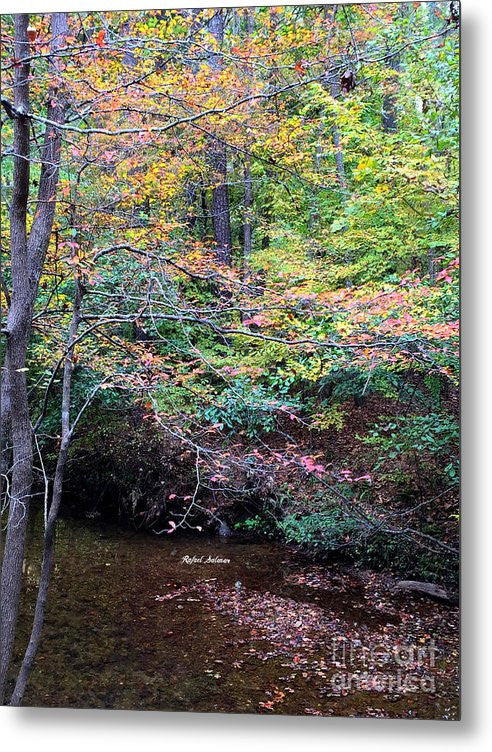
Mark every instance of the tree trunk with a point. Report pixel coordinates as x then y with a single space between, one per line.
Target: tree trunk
27 259
18 326
49 536
248 185
390 99
389 112
220 205
191 205
248 203
267 211
335 93
338 148
4 428
221 219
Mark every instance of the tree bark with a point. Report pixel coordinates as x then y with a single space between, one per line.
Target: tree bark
37 242
248 203
389 113
49 536
18 326
220 205
335 93
220 210
191 205
390 100
248 185
27 259
268 219
338 148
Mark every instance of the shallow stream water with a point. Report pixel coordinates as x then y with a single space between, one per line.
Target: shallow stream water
146 622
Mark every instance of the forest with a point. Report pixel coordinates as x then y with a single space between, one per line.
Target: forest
230 287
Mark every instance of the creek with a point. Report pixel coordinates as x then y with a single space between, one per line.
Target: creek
145 622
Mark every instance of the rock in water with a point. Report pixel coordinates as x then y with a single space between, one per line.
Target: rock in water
224 530
429 589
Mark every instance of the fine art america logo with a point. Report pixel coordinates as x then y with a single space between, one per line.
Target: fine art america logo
403 669
204 560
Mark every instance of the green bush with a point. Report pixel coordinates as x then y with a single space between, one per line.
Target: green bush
244 406
261 525
324 531
395 554
433 436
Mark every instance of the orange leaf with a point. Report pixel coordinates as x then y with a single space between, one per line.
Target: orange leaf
100 38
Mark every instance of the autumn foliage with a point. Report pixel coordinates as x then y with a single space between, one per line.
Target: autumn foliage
267 267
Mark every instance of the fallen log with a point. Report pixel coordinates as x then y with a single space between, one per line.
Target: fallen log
428 589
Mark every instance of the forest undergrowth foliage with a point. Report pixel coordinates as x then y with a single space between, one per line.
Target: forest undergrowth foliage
255 231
